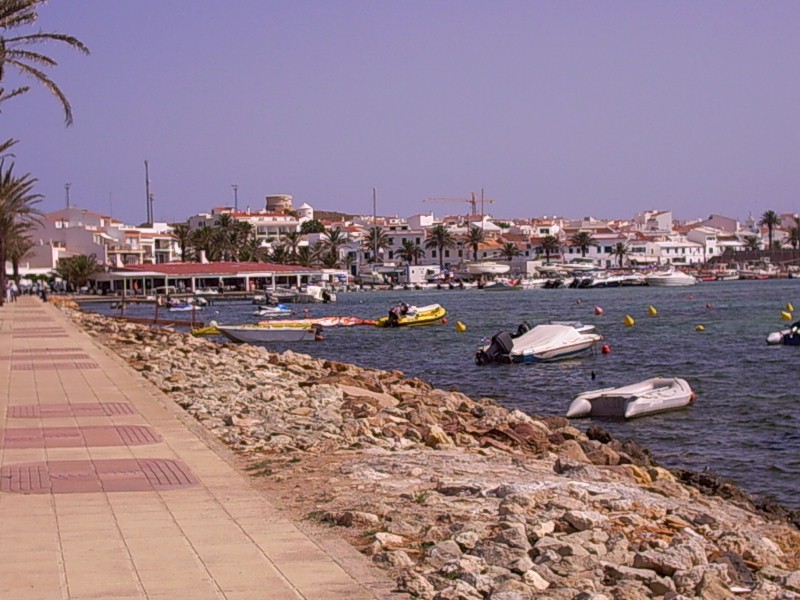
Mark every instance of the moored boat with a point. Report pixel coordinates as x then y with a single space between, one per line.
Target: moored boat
787 337
651 396
404 315
547 342
487 268
273 311
254 334
670 278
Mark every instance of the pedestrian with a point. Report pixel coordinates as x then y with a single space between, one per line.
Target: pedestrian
14 291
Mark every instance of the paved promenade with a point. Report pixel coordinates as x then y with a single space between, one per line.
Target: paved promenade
107 490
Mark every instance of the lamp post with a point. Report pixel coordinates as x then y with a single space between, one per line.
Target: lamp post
235 197
66 187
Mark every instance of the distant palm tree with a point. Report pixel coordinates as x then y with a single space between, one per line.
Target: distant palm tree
582 239
279 254
332 242
16 51
17 213
475 238
292 240
410 252
621 250
183 232
550 244
204 240
771 219
312 226
794 233
509 251
78 270
440 238
376 240
751 242
305 256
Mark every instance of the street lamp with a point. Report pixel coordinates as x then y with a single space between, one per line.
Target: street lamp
235 197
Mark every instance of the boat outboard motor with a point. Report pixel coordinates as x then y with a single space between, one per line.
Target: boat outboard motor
498 350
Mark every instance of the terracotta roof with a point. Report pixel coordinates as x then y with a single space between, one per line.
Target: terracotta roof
214 268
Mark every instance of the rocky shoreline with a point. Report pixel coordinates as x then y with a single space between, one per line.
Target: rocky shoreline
464 499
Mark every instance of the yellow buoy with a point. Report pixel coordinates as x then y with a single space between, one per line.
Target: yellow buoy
786 316
652 311
789 307
699 328
629 322
460 327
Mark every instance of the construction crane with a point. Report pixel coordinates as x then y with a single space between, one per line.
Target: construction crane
473 201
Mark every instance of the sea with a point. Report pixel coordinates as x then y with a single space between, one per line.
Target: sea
744 425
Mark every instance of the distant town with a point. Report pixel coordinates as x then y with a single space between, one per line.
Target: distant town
398 249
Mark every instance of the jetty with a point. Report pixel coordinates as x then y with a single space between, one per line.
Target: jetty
110 490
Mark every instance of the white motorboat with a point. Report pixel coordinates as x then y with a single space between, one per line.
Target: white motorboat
279 310
487 268
315 294
670 278
557 340
787 337
647 397
254 334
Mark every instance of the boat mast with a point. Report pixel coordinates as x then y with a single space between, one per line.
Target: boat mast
375 222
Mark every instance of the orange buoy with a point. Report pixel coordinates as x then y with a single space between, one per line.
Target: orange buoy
598 310
709 305
605 349
444 320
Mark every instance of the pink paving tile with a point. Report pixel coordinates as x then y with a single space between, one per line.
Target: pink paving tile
81 409
51 350
49 366
119 475
75 437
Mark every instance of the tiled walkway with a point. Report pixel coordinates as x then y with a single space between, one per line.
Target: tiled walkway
107 491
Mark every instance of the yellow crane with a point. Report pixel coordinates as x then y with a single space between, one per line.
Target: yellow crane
473 201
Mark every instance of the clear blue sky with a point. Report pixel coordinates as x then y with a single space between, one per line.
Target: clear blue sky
570 108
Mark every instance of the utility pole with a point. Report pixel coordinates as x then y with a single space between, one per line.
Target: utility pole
148 195
235 197
375 221
66 187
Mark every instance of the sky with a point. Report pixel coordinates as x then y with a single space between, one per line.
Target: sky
601 108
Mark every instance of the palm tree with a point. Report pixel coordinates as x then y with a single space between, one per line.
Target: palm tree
305 256
410 251
183 232
794 233
17 213
751 242
225 227
475 238
549 245
279 254
204 241
78 270
582 239
771 219
292 241
440 238
16 52
509 251
375 241
19 245
621 250
332 241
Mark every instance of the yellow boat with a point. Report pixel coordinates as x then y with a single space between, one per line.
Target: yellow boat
403 315
203 331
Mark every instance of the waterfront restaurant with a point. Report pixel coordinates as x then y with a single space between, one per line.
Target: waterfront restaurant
215 277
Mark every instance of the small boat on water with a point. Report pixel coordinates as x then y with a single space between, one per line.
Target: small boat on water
648 397
321 321
404 315
273 311
670 278
187 305
254 334
502 284
787 337
487 268
557 340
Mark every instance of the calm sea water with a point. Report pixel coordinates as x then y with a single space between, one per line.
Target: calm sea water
745 424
